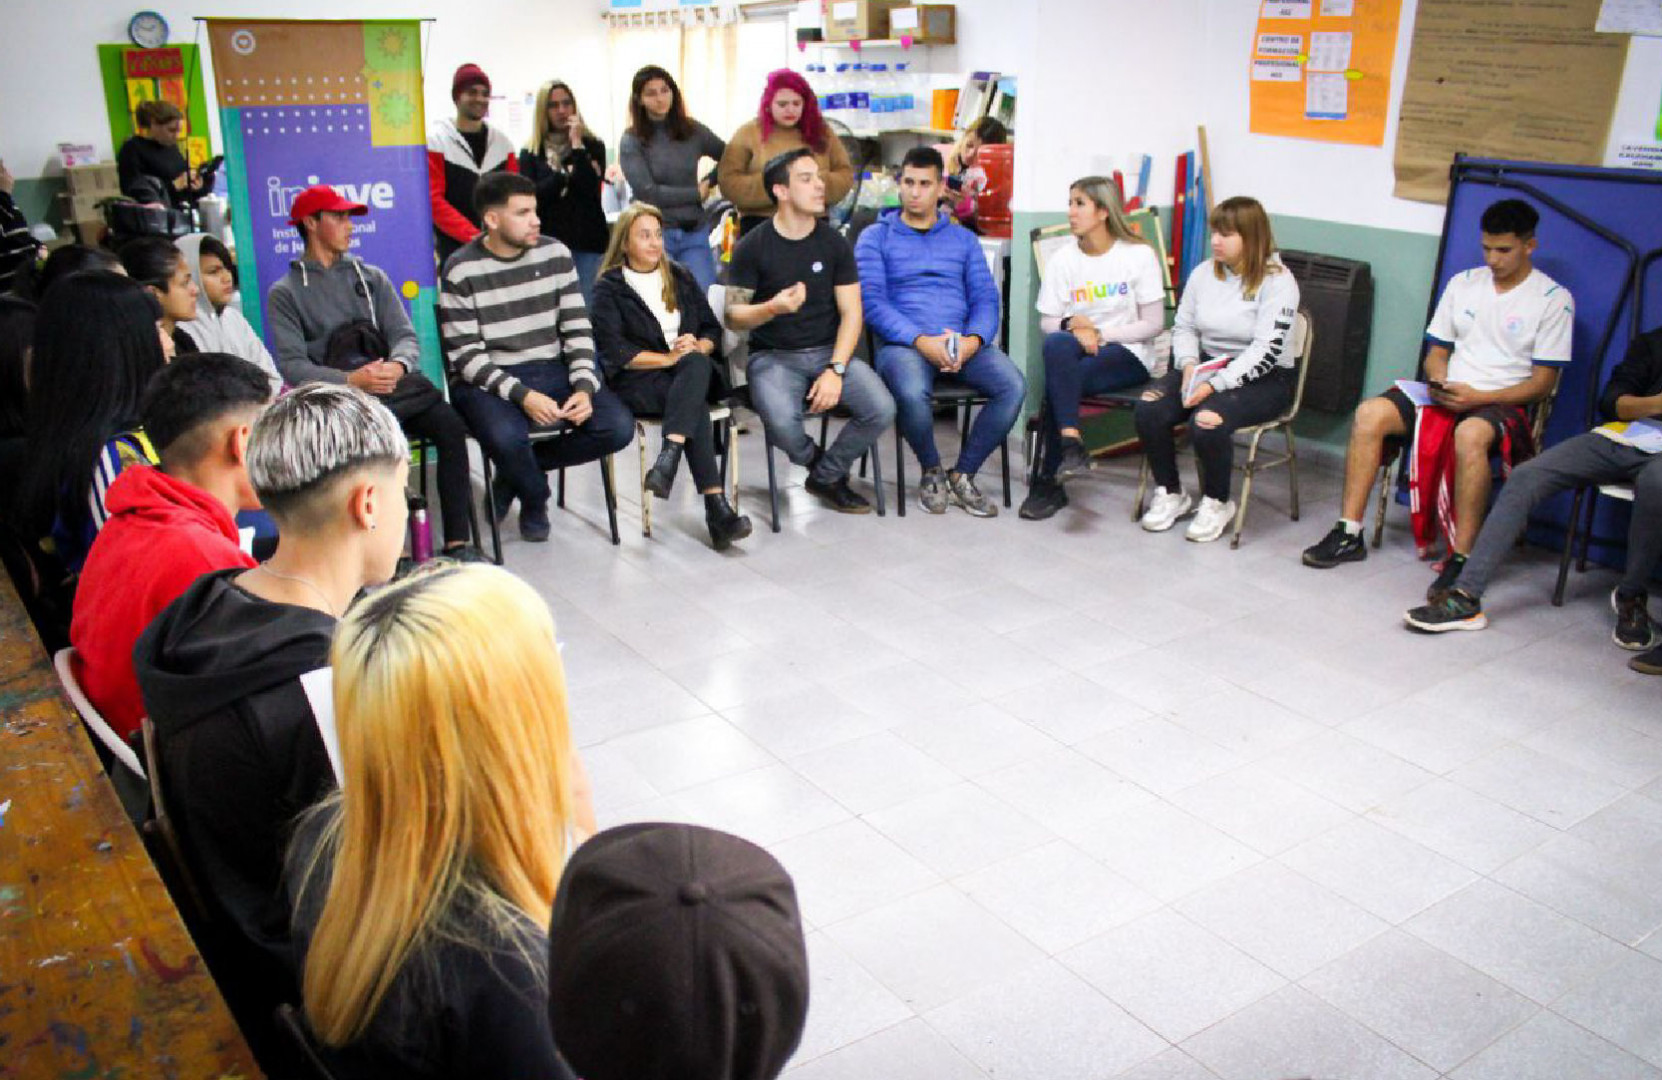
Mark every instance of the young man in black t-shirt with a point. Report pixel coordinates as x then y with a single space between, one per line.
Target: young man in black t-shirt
794 287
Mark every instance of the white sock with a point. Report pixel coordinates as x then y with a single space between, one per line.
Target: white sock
1352 528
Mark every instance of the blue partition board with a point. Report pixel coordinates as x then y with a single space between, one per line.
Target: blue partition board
1597 227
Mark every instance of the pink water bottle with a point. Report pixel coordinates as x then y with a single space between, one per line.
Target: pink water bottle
421 531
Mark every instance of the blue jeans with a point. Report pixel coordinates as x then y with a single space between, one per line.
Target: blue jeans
691 248
588 268
503 430
911 378
779 384
1070 374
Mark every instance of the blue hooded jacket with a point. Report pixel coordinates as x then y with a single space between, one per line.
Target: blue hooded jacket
915 284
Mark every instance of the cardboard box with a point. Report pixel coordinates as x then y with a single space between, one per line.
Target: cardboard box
83 207
100 180
925 24
91 231
857 20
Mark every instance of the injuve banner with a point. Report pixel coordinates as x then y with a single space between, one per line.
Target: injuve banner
306 102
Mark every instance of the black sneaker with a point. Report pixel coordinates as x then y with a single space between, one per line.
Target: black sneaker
1074 460
1634 629
838 495
1338 546
1455 610
1447 575
1648 663
464 553
533 523
1044 498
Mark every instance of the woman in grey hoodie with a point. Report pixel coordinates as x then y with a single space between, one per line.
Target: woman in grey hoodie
219 325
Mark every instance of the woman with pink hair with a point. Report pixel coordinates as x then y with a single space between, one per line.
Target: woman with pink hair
788 118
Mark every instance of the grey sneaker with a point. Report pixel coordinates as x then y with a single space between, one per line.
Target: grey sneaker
932 493
967 495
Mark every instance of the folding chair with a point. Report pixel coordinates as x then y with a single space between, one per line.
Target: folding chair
721 415
1584 527
1303 339
734 347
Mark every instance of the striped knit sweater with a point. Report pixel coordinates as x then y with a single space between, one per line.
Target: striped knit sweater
499 313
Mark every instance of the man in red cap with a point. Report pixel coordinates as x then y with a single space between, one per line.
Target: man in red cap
337 319
459 152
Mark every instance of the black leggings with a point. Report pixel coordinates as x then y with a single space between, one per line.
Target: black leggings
681 395
442 425
1256 402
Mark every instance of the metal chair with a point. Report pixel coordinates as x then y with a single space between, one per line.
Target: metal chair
1303 338
421 445
1396 447
721 415
1591 493
735 348
606 482
963 401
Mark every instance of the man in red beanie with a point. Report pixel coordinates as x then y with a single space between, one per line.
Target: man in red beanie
459 152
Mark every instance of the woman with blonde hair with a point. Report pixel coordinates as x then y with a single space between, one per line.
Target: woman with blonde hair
656 336
1232 366
423 889
568 165
1101 303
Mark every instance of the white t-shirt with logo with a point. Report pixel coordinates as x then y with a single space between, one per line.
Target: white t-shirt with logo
1498 338
1106 288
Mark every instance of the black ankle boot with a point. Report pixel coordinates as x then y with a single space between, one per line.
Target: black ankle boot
661 477
726 524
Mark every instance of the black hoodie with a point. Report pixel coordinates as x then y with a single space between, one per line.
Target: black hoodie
240 758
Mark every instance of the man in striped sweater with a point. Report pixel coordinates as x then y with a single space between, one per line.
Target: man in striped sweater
521 354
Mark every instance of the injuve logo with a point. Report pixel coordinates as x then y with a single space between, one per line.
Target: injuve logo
375 194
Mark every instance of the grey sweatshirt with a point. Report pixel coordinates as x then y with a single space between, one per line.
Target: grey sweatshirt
310 303
664 171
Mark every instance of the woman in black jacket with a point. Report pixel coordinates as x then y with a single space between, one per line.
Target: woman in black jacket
656 334
568 165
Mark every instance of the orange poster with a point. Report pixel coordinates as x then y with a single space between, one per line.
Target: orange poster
1321 69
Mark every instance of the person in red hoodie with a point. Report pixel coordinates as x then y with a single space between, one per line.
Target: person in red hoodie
459 152
168 525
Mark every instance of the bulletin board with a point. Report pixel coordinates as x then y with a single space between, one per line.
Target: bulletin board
1321 69
1511 79
172 74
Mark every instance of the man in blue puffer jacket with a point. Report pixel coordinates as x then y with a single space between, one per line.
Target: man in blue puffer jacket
932 305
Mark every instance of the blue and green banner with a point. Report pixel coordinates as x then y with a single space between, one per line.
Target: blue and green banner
305 102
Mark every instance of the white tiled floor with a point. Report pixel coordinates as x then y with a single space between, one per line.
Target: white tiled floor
1065 800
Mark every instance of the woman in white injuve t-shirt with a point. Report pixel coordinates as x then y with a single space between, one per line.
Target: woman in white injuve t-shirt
1101 304
1232 366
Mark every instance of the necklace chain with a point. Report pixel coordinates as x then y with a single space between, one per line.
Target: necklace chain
319 593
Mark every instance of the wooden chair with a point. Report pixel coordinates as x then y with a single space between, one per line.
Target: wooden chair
162 841
1303 339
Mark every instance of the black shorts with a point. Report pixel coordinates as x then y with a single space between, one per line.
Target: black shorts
1496 415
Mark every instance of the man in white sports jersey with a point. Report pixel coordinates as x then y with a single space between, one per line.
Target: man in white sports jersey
1496 344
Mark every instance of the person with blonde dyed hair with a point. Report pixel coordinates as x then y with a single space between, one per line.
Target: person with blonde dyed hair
423 888
1232 366
656 337
231 671
1101 304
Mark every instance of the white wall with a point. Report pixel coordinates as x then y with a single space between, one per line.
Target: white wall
52 61
1105 103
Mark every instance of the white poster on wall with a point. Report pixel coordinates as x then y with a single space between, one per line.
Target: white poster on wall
1630 17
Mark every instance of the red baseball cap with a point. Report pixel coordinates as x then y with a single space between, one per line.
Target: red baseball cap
321 197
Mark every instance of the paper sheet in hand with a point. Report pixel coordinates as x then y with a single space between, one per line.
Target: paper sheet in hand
319 686
1643 435
1417 392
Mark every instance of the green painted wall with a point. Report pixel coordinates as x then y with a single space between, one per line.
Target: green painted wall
38 199
1403 263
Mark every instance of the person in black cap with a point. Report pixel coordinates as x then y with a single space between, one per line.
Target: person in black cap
676 953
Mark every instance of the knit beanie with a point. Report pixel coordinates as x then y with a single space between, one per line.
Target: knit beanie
468 75
676 953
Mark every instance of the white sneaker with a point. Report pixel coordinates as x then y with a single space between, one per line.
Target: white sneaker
1211 520
1166 508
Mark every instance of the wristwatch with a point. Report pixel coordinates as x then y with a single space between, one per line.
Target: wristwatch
839 367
